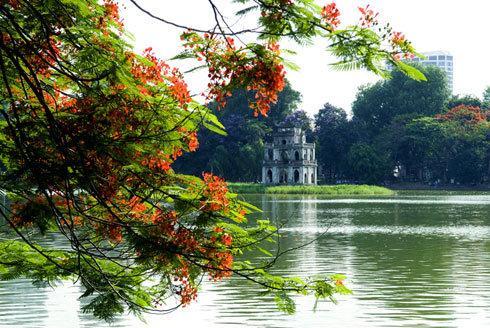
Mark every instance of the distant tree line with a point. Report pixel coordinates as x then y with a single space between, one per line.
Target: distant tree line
407 131
401 130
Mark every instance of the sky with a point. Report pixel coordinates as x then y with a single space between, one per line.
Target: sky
461 28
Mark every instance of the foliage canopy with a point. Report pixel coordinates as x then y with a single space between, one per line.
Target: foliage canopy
91 129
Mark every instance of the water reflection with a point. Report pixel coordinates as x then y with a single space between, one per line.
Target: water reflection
412 261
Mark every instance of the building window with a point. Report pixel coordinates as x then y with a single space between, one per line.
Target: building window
283 141
283 177
270 154
306 178
284 156
296 156
296 176
269 176
441 57
432 57
312 178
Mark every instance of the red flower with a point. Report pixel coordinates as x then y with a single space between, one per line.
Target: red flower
193 142
330 14
368 17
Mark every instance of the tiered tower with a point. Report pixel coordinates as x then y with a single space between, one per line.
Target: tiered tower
289 159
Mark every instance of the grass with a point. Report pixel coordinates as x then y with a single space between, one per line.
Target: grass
334 190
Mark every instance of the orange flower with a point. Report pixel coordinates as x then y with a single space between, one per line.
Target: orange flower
397 39
226 239
368 17
330 14
193 142
215 190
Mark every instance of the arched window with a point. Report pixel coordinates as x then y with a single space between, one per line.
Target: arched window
270 154
269 176
283 141
306 178
283 177
312 178
296 155
296 176
284 156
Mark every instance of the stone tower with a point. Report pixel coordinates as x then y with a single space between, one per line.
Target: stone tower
289 159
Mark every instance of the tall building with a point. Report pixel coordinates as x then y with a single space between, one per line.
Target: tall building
441 59
289 159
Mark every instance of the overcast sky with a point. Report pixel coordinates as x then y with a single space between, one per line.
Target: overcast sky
460 27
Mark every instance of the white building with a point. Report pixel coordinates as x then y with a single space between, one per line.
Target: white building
441 59
289 159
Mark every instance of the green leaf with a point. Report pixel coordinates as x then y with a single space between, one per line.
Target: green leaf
246 10
285 303
411 71
214 128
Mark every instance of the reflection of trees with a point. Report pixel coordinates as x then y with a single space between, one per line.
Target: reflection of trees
409 274
405 276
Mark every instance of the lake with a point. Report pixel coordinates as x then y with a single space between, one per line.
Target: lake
417 259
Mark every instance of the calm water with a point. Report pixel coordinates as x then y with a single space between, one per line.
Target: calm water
412 261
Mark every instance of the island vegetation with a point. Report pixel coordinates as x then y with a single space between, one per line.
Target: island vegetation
331 190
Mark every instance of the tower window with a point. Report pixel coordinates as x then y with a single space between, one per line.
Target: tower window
269 176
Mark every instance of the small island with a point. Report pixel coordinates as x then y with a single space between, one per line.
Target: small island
333 190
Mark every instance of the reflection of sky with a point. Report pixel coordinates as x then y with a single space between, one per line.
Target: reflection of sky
411 262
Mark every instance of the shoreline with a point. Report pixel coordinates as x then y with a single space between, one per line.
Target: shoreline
333 190
447 187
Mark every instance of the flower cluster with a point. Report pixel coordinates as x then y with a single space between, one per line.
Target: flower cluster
258 69
111 14
368 17
330 13
157 72
464 114
215 191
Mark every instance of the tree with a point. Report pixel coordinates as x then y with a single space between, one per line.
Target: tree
448 147
468 143
238 155
375 106
467 100
299 119
334 138
367 165
91 130
486 98
423 150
